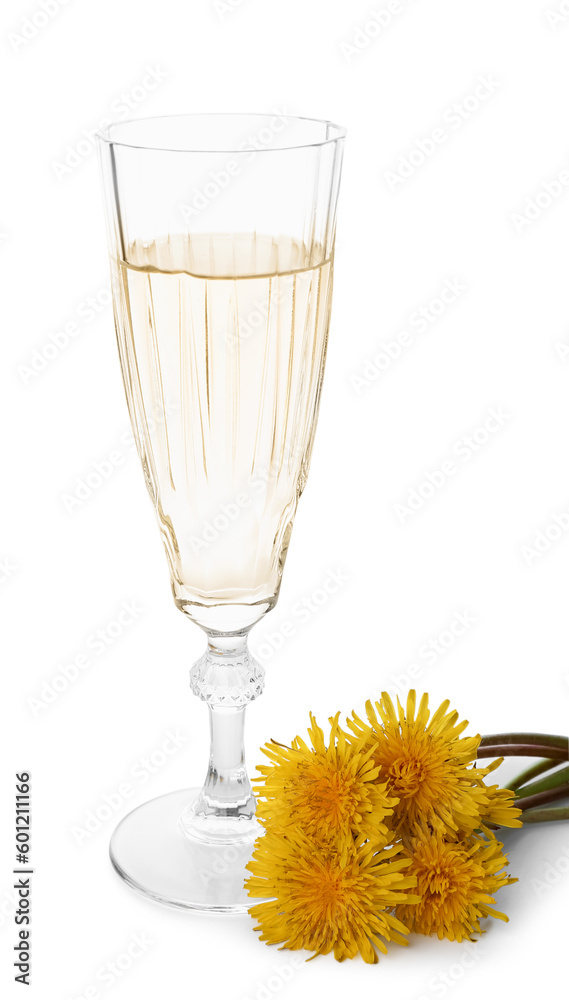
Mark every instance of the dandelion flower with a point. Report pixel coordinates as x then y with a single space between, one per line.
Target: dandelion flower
497 807
424 760
328 898
329 791
456 882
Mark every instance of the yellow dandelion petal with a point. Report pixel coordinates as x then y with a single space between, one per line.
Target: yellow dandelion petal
456 882
330 791
498 807
325 898
424 761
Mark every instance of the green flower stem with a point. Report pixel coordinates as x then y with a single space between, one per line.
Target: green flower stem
532 772
545 815
522 750
541 798
543 739
560 777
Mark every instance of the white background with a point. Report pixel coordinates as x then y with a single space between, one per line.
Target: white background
501 344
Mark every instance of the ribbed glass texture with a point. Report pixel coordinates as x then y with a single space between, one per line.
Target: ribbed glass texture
221 235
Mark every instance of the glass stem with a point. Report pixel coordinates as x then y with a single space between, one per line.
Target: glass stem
227 678
227 780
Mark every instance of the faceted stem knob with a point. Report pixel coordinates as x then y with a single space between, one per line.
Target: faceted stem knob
227 675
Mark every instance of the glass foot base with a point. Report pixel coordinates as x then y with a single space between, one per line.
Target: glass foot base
151 853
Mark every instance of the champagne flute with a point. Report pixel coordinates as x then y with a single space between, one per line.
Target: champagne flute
221 239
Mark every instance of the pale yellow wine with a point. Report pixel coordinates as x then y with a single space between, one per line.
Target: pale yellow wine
223 342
